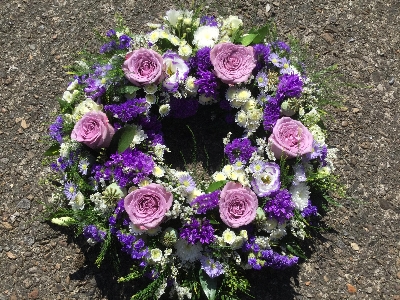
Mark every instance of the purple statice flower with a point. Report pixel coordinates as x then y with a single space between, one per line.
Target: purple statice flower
309 210
201 61
261 79
94 88
101 70
55 129
153 128
275 60
239 149
250 245
101 173
107 47
207 83
81 79
206 202
128 110
83 166
130 166
110 33
267 180
280 206
124 41
319 151
272 111
277 261
289 86
212 267
182 108
92 232
282 46
261 52
197 231
187 181
252 261
136 248
208 21
70 190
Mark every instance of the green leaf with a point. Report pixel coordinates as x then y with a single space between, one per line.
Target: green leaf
129 89
261 34
126 138
215 186
208 284
53 150
248 39
296 250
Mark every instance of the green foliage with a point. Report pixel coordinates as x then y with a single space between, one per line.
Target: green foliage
53 150
256 36
233 284
208 284
215 186
150 291
286 177
135 273
104 249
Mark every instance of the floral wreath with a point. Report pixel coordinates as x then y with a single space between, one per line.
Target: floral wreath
190 237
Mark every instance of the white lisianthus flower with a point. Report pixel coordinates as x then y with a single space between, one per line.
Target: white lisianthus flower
67 96
72 85
173 16
300 195
84 107
206 36
78 203
176 69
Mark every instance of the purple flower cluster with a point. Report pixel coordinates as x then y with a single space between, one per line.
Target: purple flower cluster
152 126
250 245
130 166
290 86
107 47
272 112
128 110
320 152
183 108
206 80
136 248
212 267
92 232
261 52
124 42
208 21
277 261
282 46
239 149
94 88
309 210
55 129
197 231
206 202
280 206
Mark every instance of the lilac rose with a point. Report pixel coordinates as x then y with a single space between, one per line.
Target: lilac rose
290 138
143 66
146 206
232 63
93 130
237 205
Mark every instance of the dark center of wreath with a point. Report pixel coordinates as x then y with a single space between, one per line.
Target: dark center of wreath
198 139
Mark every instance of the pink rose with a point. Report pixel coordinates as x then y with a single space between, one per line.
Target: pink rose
237 205
143 66
93 130
147 205
290 138
232 63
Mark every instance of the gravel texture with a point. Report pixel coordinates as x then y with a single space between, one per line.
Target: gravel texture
359 258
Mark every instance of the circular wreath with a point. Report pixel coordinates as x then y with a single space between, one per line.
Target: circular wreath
181 229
